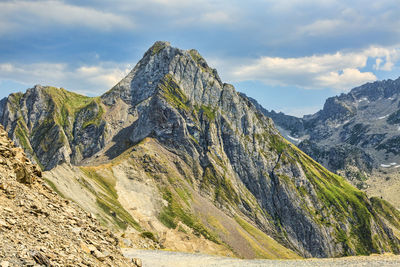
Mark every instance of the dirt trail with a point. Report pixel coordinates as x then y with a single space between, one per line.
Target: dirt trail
177 259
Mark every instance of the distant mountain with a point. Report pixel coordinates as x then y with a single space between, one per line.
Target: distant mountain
356 134
182 157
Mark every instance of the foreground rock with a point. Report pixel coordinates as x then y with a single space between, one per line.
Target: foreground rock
37 227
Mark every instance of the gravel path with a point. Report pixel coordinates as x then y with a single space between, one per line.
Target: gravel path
175 259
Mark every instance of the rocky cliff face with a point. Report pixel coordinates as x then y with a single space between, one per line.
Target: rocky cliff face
37 227
214 164
54 126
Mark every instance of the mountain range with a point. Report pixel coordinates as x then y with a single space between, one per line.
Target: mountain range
176 155
356 135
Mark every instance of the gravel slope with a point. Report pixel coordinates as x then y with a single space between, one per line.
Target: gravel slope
175 259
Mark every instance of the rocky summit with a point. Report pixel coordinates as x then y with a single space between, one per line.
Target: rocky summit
39 228
173 154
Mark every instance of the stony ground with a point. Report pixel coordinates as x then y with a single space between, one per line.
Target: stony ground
385 184
177 259
39 228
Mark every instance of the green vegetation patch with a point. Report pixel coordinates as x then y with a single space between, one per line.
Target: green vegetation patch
119 215
106 183
15 100
220 184
95 113
157 47
173 93
209 112
386 210
175 212
67 104
21 132
149 235
54 187
108 201
276 142
200 61
345 202
264 245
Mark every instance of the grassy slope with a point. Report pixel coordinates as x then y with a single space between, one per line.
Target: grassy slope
342 202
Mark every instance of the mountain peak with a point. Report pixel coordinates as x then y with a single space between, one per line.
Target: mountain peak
186 67
158 46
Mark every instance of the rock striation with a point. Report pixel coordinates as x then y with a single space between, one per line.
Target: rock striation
37 227
215 164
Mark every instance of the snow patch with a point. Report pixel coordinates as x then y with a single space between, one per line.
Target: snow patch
393 164
363 99
293 138
380 118
338 125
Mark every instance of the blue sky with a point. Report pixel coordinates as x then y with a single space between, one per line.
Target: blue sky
290 54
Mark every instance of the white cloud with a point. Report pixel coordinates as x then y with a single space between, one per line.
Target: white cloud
340 71
385 57
84 79
23 15
344 80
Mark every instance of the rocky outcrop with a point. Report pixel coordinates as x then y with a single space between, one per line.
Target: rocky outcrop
54 126
38 227
174 127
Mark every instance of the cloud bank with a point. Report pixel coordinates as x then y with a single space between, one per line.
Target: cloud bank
33 15
340 71
88 80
